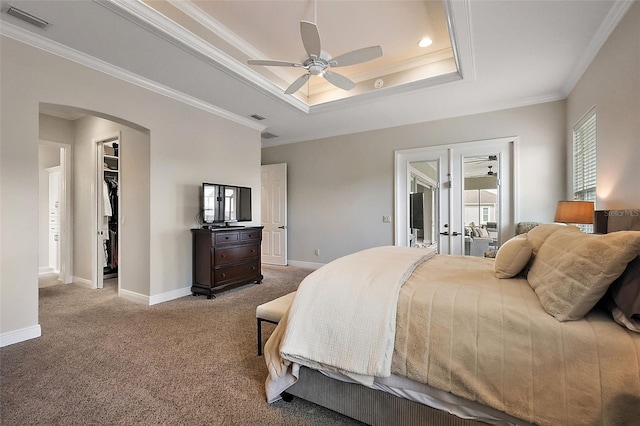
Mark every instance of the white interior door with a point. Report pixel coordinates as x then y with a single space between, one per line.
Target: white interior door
274 214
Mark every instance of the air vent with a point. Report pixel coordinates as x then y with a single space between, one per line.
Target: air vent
27 17
257 117
267 135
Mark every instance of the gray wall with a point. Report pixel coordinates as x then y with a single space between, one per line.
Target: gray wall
612 85
133 269
339 188
187 146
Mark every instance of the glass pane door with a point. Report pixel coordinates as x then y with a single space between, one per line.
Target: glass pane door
481 204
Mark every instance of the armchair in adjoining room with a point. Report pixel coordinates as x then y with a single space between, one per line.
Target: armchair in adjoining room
477 240
524 227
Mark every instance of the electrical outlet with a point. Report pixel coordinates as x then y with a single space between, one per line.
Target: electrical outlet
317 252
386 219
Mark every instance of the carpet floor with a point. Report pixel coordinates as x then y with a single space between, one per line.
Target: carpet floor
191 361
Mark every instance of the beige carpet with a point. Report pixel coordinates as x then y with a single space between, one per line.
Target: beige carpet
192 361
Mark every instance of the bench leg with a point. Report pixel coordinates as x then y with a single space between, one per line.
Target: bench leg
259 324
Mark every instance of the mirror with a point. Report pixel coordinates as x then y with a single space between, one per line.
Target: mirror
481 205
423 204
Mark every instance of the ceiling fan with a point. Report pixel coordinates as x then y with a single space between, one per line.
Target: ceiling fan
318 61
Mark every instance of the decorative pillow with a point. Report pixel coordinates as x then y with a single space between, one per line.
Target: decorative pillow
572 270
539 234
625 291
512 257
483 233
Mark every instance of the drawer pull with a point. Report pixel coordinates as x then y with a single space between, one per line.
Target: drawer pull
226 238
253 268
221 256
253 251
223 275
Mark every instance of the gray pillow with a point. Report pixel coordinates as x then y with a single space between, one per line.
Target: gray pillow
625 290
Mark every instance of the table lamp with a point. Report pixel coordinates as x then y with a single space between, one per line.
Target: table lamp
574 212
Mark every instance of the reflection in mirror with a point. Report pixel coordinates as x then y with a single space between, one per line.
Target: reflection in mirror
423 200
212 202
481 205
230 202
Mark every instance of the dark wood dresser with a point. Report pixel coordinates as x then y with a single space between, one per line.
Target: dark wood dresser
224 258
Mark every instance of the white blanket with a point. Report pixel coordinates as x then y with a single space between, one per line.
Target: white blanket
325 329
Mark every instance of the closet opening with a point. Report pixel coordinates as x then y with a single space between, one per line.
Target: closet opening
107 209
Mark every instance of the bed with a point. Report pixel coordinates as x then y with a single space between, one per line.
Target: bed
545 334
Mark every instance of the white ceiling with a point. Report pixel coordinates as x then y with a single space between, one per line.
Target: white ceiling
510 52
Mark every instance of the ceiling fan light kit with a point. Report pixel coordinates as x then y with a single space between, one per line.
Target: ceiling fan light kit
318 61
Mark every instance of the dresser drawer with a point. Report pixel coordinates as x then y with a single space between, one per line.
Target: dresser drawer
223 256
230 237
250 235
243 271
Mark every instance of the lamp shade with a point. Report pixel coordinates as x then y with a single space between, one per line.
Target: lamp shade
574 212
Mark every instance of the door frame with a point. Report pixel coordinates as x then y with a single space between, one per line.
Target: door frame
66 210
402 183
97 271
443 153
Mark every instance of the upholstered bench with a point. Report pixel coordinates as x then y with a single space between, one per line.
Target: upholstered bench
272 312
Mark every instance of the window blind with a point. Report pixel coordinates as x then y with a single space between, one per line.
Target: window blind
584 159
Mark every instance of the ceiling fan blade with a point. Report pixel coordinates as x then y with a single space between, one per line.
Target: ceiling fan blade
297 84
339 80
310 38
271 63
357 56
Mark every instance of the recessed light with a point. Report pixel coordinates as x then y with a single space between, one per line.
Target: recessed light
425 42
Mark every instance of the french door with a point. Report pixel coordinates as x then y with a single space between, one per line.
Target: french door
472 208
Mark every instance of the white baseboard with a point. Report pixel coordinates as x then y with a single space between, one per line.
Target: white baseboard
132 296
308 265
170 295
83 282
21 335
154 300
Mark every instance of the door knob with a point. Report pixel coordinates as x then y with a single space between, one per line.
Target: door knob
444 233
281 227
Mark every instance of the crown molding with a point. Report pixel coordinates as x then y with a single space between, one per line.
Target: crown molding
162 26
611 21
155 22
386 71
197 14
27 37
459 22
443 115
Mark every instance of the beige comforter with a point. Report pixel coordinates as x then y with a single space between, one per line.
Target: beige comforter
326 326
461 330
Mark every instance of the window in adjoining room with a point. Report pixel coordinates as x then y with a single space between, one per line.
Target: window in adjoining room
584 161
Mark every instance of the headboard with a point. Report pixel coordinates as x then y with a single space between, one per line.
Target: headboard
606 221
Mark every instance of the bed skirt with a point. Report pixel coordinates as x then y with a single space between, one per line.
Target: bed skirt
368 405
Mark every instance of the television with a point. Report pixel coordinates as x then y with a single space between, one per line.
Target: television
223 205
